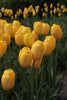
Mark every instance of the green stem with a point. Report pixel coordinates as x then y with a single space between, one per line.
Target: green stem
42 73
32 81
55 67
36 80
6 95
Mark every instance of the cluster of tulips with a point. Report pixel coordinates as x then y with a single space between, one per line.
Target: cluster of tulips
59 10
34 49
7 12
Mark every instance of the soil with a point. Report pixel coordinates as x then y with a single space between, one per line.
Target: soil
64 93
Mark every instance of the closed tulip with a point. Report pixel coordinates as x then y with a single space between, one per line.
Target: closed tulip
19 39
35 35
38 27
8 79
29 39
52 41
4 46
47 48
37 50
25 57
8 29
56 31
7 38
37 63
45 28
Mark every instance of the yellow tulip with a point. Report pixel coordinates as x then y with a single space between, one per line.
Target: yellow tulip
37 63
1 50
2 9
47 48
52 41
45 28
16 23
37 50
51 5
43 14
8 28
38 27
25 57
1 34
4 46
7 38
19 39
56 31
59 14
29 39
0 15
35 35
8 79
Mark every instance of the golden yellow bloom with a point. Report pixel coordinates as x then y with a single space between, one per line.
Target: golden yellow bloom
43 14
56 31
51 11
0 15
1 34
25 11
47 48
11 17
59 14
45 29
37 63
52 41
8 28
54 10
15 15
38 27
4 46
46 9
2 9
34 13
2 23
8 79
51 5
29 39
45 4
62 6
25 57
35 35
24 30
64 10
20 11
37 50
19 39
30 8
37 7
7 38
36 10
1 50
58 4
58 9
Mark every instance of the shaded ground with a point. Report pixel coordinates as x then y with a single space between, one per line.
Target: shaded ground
64 93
